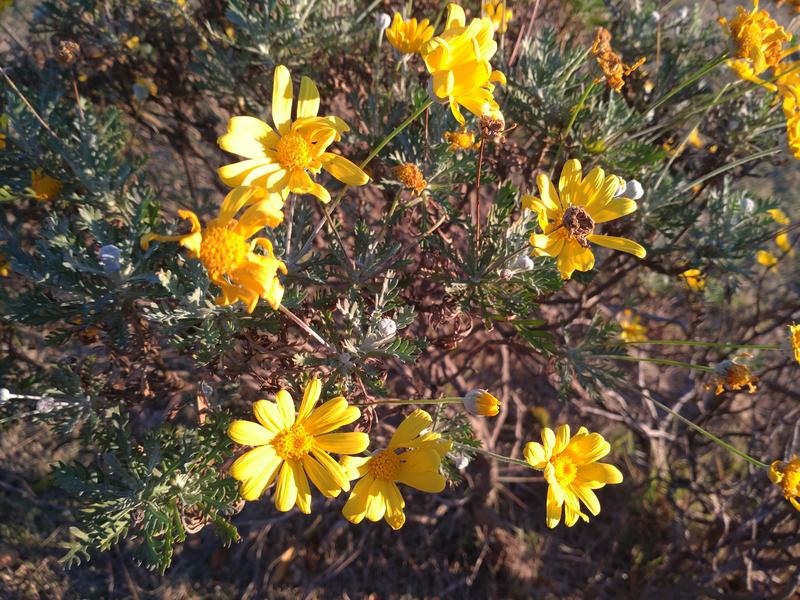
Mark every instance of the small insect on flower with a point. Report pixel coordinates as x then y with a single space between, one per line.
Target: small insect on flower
610 62
568 216
499 14
44 187
459 140
734 376
695 279
572 472
408 36
458 61
412 458
794 338
294 447
787 476
227 252
280 161
481 403
632 329
410 176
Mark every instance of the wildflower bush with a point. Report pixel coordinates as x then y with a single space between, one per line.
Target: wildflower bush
304 298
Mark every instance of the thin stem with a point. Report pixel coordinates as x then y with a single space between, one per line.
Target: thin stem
299 322
708 344
712 437
332 206
404 402
658 361
500 457
476 213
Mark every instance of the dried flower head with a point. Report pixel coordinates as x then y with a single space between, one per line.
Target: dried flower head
610 62
757 38
67 52
410 176
734 376
794 334
459 140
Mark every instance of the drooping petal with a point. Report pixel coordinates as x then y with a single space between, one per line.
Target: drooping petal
395 516
248 433
285 495
553 509
410 428
343 443
310 397
618 243
266 213
334 469
321 477
376 503
282 99
343 169
308 100
355 509
535 455
355 467
303 491
588 497
322 194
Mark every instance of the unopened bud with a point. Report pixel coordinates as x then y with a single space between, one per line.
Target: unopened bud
634 190
383 21
481 403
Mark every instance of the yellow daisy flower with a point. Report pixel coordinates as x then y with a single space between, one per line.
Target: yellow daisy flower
568 217
758 41
294 447
734 376
459 140
794 333
787 476
632 329
481 404
779 216
279 161
412 458
227 252
408 36
458 61
44 187
5 266
500 18
766 258
572 472
695 279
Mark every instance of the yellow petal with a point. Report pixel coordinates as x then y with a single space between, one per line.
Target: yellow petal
235 173
268 415
303 491
343 443
618 243
334 469
548 193
343 169
331 415
285 494
553 509
394 506
252 463
562 439
282 99
248 137
455 16
588 497
548 442
320 192
321 477
286 408
248 433
310 397
569 182
355 509
355 466
376 503
252 488
614 209
410 428
267 213
587 448
535 455
308 100
598 474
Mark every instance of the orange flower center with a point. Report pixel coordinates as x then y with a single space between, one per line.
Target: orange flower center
222 250
293 443
410 176
565 469
385 465
293 151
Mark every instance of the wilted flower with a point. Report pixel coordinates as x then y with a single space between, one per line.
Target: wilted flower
794 335
787 476
459 140
734 376
758 41
572 472
279 160
294 447
458 61
610 62
481 403
408 36
44 187
412 458
410 176
568 217
226 251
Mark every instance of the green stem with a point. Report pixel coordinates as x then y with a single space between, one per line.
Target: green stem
657 361
708 344
500 457
712 437
400 401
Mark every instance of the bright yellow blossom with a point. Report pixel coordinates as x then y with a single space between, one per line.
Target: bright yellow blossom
294 447
5 266
794 335
787 476
3 126
458 61
734 376
758 41
408 36
226 251
481 403
568 217
412 458
459 140
779 216
498 12
695 279
695 139
44 187
572 472
766 258
632 329
280 160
